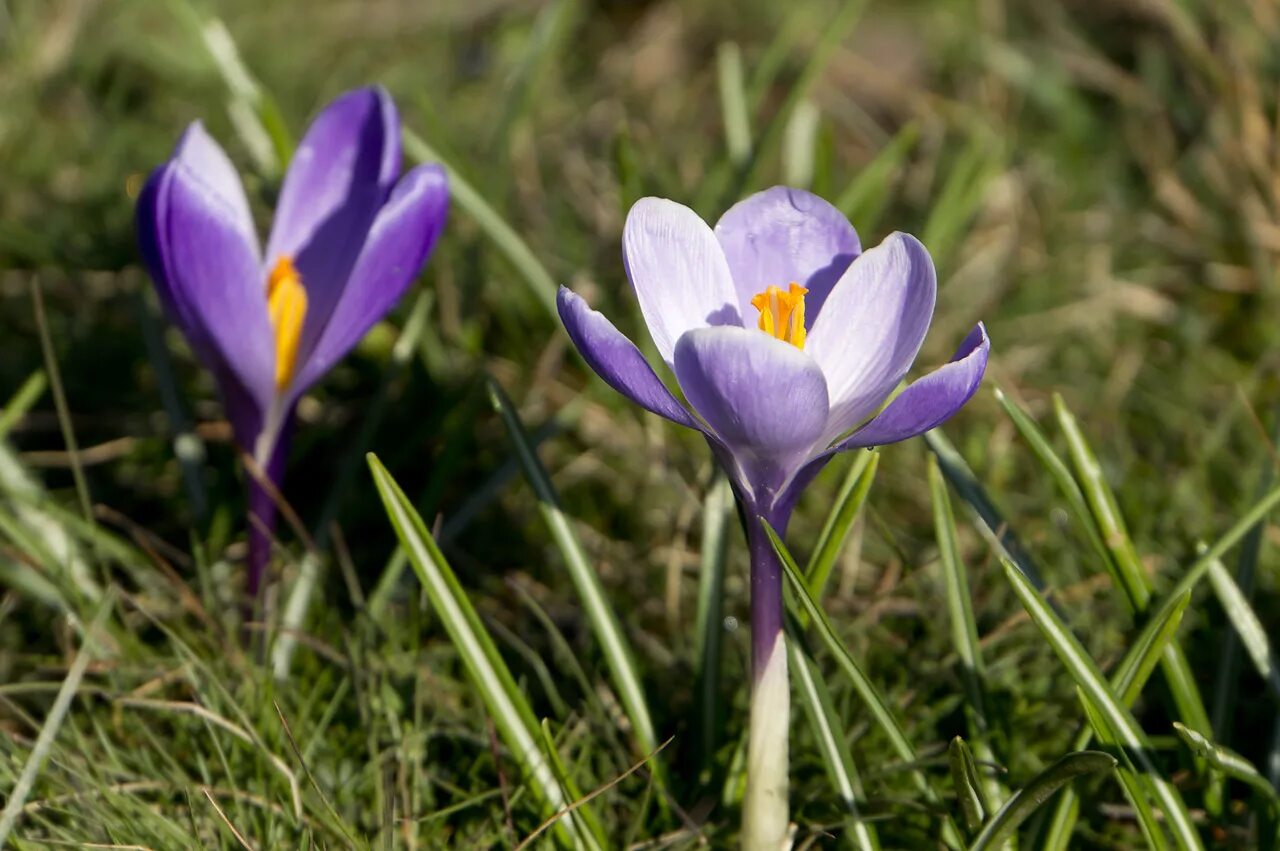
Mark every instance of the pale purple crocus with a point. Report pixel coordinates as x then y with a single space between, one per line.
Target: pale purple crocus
787 340
348 237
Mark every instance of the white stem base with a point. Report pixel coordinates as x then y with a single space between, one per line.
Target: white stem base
765 814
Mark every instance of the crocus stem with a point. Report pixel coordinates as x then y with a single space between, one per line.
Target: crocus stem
262 514
765 816
766 591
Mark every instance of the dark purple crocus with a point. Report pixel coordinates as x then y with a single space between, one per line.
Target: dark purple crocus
349 236
786 339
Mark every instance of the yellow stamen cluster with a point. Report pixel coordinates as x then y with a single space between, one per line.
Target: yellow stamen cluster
287 308
782 313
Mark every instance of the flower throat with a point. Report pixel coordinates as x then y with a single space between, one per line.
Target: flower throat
782 313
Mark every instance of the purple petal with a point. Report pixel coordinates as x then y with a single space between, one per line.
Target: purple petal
209 164
784 235
208 274
338 180
399 241
927 403
678 270
765 399
871 329
617 360
206 165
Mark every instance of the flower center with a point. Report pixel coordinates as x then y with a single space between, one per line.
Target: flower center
782 313
287 308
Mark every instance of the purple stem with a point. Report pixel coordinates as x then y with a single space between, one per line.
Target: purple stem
766 584
262 513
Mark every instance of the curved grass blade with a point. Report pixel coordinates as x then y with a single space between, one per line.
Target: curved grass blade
1201 566
1061 475
21 401
511 713
567 785
504 237
17 796
1128 568
1137 786
825 721
1128 680
964 629
1253 635
1164 618
964 774
253 111
992 523
604 622
1227 761
835 529
861 683
1029 798
1112 710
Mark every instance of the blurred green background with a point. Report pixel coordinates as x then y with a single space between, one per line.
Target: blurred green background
1097 180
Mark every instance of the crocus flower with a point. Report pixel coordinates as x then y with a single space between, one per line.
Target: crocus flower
786 340
349 236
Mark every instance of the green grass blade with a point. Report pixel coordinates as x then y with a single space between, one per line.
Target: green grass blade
1105 511
820 56
1253 635
604 621
511 713
60 401
21 401
964 628
1029 798
1177 596
489 220
964 775
254 113
962 193
867 195
1226 687
1227 761
17 796
826 726
1094 504
1128 680
840 520
1086 675
1132 576
1062 477
799 143
992 523
733 102
571 790
717 518
866 690
543 54
1137 787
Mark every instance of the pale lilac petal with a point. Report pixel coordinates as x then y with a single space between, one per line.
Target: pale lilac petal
785 235
765 399
927 403
870 331
401 238
338 179
208 274
678 270
616 359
